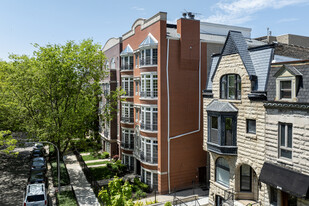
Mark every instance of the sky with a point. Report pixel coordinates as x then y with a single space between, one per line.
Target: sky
25 22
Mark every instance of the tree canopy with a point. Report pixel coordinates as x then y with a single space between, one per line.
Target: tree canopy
53 95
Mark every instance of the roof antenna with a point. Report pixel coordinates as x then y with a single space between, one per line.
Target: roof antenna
268 34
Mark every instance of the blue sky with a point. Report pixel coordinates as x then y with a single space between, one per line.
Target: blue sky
24 22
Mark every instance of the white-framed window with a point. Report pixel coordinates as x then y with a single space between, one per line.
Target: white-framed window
127 85
149 85
127 112
222 172
149 177
285 89
127 140
113 63
127 62
128 160
285 140
149 150
148 56
251 126
149 118
230 86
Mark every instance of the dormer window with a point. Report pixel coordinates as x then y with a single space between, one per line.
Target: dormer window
285 89
230 86
148 51
287 81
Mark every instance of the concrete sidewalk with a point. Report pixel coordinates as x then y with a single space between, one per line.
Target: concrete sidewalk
83 191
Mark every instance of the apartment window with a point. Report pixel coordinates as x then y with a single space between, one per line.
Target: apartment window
251 126
214 130
149 118
149 177
113 63
127 113
273 196
149 85
230 86
222 172
245 178
285 140
127 140
127 62
149 150
128 160
285 89
148 56
127 85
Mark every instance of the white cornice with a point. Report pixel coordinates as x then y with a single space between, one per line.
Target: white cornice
110 43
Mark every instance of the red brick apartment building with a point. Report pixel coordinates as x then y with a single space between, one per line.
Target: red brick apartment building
163 70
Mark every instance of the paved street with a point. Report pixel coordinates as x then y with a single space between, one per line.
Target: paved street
14 172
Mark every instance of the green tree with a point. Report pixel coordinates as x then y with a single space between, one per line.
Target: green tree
7 143
54 95
117 193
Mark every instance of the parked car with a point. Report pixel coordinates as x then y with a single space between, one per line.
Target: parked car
39 159
37 177
37 153
35 195
38 166
39 146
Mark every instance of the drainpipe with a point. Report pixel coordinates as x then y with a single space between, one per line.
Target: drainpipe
168 113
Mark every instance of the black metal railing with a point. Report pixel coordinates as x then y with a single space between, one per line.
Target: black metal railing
228 197
148 159
129 93
150 127
151 94
127 67
127 145
127 119
148 61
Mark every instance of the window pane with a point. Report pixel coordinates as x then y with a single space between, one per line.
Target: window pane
245 173
289 136
223 87
286 153
285 89
228 131
273 196
251 126
282 134
222 172
231 86
214 122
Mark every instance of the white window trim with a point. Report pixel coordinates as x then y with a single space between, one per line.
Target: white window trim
129 62
123 159
130 132
151 171
128 80
286 141
143 84
151 56
129 106
293 88
143 140
151 117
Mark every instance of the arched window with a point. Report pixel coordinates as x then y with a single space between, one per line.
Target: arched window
230 86
113 64
222 172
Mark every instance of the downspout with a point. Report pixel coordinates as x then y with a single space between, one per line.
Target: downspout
168 113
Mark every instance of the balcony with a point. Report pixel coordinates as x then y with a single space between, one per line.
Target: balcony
149 127
127 67
222 149
127 145
129 93
147 61
148 159
127 119
149 94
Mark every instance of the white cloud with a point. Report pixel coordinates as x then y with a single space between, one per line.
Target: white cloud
137 8
287 20
241 11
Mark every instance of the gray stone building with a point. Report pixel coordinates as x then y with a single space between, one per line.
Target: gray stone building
236 121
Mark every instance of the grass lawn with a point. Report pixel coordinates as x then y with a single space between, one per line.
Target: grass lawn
97 163
67 198
64 176
89 157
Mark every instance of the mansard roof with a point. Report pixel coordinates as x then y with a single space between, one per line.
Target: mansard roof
217 106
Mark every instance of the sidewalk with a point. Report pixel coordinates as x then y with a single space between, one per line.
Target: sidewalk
83 191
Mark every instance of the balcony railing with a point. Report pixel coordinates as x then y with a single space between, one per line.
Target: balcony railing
149 127
129 93
127 145
127 67
221 149
148 159
150 94
147 61
127 119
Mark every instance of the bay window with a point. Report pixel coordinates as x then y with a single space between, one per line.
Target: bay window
127 141
127 113
150 177
149 85
149 118
127 85
149 150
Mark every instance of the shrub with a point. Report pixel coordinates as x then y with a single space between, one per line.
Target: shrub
109 165
151 202
168 204
138 203
144 187
115 158
139 194
105 155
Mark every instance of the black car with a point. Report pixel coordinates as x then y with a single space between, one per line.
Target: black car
37 153
37 177
39 159
38 166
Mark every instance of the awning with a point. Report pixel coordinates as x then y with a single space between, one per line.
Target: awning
289 181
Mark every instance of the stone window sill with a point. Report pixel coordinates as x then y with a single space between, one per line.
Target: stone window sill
251 136
285 161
